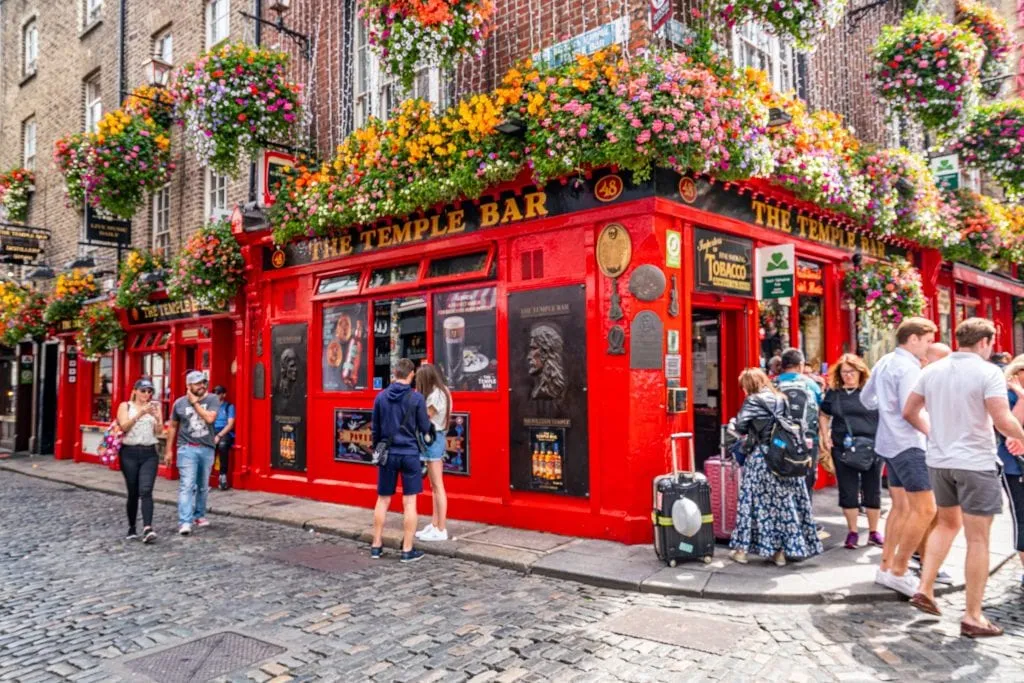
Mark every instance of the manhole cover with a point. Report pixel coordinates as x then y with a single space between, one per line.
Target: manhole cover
674 627
325 558
203 659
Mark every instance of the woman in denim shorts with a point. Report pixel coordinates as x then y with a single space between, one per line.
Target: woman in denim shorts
439 407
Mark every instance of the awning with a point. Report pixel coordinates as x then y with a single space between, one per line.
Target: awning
973 276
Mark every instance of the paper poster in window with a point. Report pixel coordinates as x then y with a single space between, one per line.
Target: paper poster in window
344 335
465 339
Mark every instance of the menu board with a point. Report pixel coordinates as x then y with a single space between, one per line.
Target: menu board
465 339
344 347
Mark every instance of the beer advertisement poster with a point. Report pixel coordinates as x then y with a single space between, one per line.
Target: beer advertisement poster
353 430
465 339
344 347
288 397
456 452
547 398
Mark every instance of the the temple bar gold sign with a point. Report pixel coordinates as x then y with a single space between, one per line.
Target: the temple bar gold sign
805 227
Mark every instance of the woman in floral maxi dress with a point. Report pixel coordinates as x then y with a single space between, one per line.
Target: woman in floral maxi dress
773 517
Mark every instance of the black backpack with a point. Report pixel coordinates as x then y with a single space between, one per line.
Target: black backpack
786 451
803 407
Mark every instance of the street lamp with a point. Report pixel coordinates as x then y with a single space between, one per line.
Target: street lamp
157 71
42 272
81 262
279 6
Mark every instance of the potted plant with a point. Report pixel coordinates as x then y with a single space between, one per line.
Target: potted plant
209 269
986 23
885 292
132 288
15 188
981 226
98 331
995 142
71 291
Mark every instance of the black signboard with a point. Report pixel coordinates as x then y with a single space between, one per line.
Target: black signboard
724 263
103 228
20 244
548 392
288 397
163 311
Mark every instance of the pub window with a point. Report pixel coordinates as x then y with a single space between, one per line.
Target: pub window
385 277
93 103
30 41
774 332
218 21
216 195
755 47
163 46
102 384
465 338
874 342
945 301
399 331
162 221
811 290
92 12
458 265
156 366
344 333
339 285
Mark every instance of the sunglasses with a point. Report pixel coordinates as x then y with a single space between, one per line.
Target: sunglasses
145 391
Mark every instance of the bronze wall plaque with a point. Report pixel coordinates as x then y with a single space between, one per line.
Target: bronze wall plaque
647 282
646 344
616 341
259 381
614 250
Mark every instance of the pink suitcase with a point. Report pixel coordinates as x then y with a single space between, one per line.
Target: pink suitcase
724 474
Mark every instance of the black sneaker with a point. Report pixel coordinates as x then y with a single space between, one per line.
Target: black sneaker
131 535
376 552
148 535
223 482
411 555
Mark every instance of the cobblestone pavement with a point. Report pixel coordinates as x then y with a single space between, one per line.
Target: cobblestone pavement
77 602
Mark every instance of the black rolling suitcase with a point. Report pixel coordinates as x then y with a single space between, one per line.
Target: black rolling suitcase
670 545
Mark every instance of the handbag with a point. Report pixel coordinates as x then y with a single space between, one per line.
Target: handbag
382 449
110 447
860 454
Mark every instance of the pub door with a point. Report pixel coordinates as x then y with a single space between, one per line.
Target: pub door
720 352
47 398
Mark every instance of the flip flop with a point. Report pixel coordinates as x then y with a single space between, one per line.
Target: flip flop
972 631
926 604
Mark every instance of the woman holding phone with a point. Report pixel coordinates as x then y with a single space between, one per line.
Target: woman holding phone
439 408
142 424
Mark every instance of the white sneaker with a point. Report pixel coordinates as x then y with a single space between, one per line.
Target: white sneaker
435 534
944 578
185 529
424 531
908 584
883 577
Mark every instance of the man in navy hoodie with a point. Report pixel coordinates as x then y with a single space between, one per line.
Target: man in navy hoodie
398 413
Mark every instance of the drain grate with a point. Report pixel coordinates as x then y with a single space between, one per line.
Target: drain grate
205 658
324 557
683 629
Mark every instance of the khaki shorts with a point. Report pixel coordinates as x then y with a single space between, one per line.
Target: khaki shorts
977 493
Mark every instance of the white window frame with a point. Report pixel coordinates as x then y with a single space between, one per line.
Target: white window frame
28 149
92 10
30 43
161 235
374 93
93 103
218 21
163 45
216 194
779 55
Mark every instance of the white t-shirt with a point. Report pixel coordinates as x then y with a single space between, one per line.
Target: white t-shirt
954 391
439 402
891 381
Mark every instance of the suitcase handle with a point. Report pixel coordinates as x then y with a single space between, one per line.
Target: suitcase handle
675 458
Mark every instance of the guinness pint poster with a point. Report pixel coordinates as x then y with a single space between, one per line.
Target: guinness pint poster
288 397
548 398
465 339
344 337
724 263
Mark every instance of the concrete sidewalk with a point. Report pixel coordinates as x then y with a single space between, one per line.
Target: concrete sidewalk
836 575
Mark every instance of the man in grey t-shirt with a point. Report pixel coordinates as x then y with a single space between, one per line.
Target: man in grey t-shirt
192 419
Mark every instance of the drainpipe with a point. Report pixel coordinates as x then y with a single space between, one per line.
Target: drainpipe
122 30
257 11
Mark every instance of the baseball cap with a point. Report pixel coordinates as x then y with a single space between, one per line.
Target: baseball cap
195 377
143 383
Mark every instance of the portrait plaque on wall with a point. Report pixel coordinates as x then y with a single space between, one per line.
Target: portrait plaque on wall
548 392
288 397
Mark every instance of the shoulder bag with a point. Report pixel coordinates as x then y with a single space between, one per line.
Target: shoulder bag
860 454
382 449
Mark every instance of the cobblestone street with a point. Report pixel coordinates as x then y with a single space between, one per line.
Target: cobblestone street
77 602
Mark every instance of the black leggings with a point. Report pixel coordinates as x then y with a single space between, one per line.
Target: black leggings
854 484
224 454
138 464
1013 484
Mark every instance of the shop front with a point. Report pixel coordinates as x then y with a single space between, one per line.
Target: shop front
578 324
85 398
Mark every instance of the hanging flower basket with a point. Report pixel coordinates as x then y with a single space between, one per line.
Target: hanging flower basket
232 101
928 69
24 321
115 167
802 20
71 291
149 102
131 291
409 34
210 268
15 187
98 331
885 292
994 33
994 142
981 229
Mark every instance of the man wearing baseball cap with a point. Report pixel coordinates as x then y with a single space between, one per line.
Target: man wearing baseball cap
192 419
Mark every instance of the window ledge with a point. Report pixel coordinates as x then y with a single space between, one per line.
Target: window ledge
90 28
27 78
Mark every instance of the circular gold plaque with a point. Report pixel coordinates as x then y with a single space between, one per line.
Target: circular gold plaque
614 250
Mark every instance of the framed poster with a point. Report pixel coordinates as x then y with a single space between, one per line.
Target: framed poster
353 435
288 397
548 399
344 347
465 339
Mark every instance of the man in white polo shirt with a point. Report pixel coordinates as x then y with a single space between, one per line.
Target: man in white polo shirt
902 447
965 396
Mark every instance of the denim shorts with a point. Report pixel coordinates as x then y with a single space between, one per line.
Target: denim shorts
907 470
406 466
437 450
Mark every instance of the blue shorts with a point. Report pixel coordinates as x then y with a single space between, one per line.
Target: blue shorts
437 450
908 470
408 466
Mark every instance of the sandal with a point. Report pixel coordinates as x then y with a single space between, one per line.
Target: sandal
926 604
972 631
